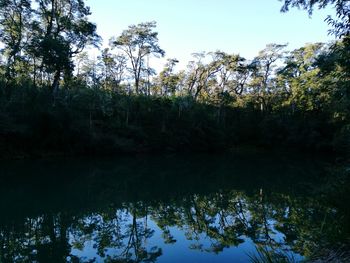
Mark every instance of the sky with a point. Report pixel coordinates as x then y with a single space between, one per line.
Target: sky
235 26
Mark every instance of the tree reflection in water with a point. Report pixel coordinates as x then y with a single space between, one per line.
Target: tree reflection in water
108 219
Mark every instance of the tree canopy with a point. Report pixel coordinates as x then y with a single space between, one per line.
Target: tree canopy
45 35
341 27
139 41
55 97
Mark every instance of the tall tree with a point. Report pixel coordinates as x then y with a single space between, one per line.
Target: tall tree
169 80
62 31
265 65
300 79
15 18
201 75
233 73
138 42
113 68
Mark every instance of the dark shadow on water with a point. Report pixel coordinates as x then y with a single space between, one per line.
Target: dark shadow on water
148 209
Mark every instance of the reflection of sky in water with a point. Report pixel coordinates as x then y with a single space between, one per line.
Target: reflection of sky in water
181 251
83 199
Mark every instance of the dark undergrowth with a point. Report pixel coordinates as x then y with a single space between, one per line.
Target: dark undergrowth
86 121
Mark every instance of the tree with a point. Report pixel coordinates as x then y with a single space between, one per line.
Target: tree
88 71
341 27
113 67
232 75
300 79
169 81
265 64
15 18
138 42
200 75
62 32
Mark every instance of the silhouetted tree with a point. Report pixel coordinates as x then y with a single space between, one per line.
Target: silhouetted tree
138 42
62 32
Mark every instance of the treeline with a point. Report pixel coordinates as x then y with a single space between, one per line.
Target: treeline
55 99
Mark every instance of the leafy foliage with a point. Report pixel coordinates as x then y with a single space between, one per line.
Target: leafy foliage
341 27
56 99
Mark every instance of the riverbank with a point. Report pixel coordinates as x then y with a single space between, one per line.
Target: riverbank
99 123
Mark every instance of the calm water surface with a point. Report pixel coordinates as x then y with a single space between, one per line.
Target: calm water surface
199 208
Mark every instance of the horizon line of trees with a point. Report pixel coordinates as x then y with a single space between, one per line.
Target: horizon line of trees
43 42
50 86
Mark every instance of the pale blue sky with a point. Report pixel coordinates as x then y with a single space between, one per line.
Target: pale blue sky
233 26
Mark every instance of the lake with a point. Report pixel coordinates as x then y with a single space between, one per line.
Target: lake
187 208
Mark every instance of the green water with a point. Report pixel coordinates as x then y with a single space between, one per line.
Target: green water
202 208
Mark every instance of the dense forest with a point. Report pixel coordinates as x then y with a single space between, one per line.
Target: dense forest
56 99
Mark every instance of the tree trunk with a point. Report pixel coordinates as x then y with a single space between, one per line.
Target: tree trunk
56 82
137 83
